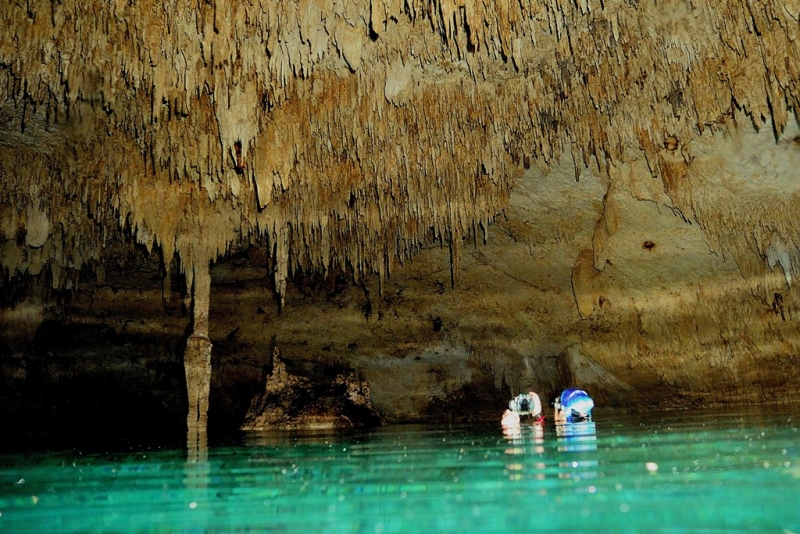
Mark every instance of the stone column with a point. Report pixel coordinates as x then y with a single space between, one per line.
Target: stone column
197 357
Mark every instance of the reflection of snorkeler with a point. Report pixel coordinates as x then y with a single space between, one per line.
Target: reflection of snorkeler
523 441
521 436
577 438
524 404
573 405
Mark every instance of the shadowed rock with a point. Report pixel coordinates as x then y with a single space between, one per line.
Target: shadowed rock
575 369
332 398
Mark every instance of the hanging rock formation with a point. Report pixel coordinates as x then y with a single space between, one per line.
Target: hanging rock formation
321 138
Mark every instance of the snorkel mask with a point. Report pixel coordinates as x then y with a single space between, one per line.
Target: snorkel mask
575 404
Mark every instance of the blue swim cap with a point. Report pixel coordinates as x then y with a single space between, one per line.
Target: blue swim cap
576 403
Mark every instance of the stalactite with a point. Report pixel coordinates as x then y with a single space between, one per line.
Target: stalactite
281 262
352 127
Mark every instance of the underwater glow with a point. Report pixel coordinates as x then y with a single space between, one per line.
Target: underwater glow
730 471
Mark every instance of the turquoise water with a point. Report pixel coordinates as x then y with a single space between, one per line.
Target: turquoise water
674 472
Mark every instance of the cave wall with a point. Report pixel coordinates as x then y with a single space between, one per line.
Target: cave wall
458 199
605 282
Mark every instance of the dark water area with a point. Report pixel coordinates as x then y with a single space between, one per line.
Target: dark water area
733 470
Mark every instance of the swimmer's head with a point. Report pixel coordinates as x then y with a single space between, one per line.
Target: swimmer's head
536 403
576 405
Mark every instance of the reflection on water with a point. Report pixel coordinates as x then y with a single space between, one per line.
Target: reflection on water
575 450
524 439
580 437
708 472
575 437
197 468
522 436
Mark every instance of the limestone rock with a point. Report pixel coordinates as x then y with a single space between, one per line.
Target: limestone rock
38 228
327 400
578 370
619 175
399 83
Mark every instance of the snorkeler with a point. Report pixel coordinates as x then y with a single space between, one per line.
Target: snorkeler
573 405
509 419
523 404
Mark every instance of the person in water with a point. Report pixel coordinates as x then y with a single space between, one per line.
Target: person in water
572 406
524 404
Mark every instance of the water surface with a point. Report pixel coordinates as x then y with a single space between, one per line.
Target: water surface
674 472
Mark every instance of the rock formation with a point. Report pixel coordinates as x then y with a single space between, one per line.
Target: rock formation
443 194
329 398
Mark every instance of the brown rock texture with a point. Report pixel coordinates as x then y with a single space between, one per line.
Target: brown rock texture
457 199
329 398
